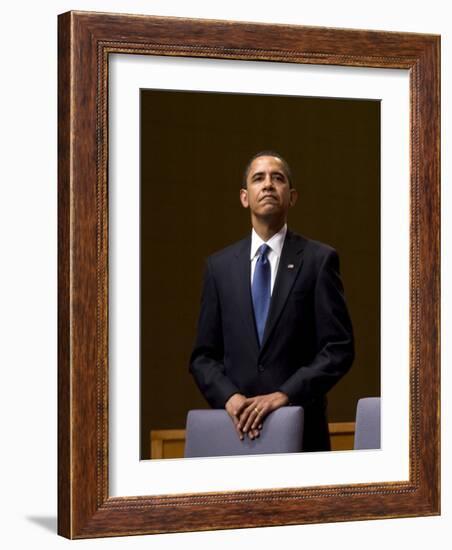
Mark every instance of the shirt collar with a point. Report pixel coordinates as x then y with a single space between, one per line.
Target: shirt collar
275 243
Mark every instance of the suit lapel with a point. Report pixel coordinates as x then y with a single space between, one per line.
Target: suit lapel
289 265
242 284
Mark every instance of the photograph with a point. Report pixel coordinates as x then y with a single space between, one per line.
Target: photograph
221 174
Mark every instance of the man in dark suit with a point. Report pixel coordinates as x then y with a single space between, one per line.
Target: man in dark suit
274 329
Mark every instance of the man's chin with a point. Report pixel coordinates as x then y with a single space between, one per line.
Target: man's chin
269 201
269 206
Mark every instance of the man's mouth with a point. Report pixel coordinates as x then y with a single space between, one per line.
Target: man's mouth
272 197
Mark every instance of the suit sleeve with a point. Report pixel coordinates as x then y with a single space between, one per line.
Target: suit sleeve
333 335
206 362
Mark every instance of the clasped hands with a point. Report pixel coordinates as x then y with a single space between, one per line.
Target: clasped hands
248 413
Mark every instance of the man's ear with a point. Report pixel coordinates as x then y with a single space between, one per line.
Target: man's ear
244 198
293 197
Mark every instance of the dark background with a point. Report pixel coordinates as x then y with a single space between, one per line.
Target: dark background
194 147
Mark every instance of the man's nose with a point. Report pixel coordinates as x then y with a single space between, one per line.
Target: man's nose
268 182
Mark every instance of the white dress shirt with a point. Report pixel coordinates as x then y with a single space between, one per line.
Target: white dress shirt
275 244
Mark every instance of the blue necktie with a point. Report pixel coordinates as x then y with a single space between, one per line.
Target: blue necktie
261 290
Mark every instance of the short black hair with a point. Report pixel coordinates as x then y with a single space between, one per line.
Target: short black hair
267 153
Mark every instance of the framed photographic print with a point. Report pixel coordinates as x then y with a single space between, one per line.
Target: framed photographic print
157 119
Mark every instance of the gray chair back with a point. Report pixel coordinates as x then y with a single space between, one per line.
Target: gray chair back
367 427
212 433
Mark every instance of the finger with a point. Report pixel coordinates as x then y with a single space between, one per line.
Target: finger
259 418
246 415
250 424
245 403
251 417
253 434
240 433
243 418
235 421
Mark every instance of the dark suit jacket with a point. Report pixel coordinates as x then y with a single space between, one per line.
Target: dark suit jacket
308 339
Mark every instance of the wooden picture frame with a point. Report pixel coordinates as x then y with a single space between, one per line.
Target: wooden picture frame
86 40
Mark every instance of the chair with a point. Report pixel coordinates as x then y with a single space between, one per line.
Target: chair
212 433
367 428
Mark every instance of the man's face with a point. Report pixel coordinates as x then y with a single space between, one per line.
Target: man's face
268 193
